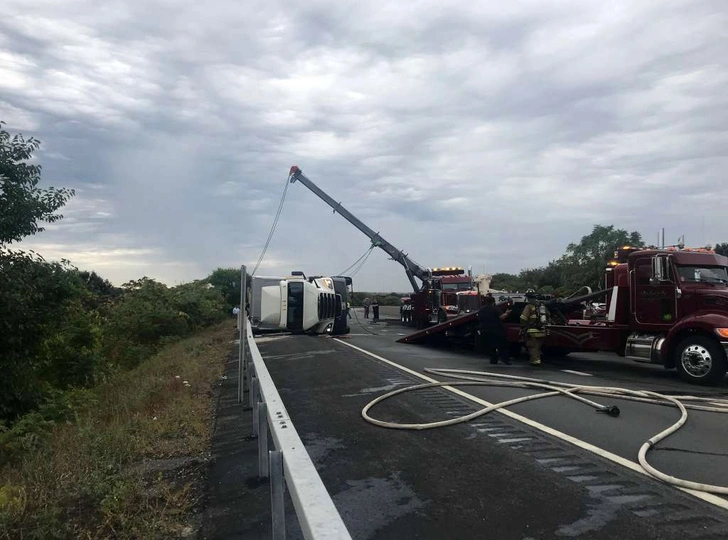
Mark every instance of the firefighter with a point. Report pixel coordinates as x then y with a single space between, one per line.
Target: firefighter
534 319
367 303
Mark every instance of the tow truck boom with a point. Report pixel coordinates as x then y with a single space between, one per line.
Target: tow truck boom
411 268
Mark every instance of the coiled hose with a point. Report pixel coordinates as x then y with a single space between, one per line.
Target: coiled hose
552 388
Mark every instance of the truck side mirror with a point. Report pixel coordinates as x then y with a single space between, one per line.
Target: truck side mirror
659 270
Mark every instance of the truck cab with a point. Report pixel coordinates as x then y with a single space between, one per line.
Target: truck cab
295 304
452 280
675 302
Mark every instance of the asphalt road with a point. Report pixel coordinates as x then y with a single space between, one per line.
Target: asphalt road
495 477
698 452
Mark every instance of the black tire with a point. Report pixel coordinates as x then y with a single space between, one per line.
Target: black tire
700 360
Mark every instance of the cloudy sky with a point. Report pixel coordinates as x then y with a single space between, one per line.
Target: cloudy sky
488 134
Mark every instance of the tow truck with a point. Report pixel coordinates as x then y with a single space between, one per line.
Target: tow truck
452 284
666 306
426 299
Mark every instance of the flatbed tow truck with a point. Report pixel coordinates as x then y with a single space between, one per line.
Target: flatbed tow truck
665 306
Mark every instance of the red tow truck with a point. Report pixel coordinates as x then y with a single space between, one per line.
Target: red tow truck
452 281
663 306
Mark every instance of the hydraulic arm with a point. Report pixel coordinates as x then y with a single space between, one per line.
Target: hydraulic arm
412 269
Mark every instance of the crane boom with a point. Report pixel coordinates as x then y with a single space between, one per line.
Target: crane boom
411 268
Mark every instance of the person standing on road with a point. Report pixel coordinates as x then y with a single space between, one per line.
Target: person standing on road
375 310
534 319
367 303
236 310
493 332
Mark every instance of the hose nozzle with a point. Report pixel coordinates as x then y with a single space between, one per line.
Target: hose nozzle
612 411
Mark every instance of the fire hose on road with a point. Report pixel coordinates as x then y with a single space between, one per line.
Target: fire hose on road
573 391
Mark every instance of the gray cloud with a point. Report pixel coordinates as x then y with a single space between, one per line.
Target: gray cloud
486 135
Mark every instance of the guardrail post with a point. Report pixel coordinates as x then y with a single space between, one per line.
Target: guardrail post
263 439
255 399
242 323
249 369
278 509
251 384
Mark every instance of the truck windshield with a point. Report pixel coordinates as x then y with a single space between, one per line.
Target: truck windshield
295 306
702 274
455 286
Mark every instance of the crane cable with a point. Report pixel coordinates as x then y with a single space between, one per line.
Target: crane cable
361 265
352 265
273 226
553 388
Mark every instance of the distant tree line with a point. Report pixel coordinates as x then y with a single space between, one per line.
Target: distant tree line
582 264
63 329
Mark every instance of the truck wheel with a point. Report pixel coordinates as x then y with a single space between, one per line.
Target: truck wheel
700 360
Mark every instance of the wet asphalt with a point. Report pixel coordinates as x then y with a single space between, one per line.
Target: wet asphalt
491 478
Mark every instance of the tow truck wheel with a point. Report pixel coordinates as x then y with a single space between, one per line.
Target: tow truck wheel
700 360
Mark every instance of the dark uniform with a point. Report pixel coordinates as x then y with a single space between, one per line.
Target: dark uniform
493 332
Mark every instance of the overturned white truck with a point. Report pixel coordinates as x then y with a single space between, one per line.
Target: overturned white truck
299 304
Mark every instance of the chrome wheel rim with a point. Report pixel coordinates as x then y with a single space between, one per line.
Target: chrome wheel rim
696 360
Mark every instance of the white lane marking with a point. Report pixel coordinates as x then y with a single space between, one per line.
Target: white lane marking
707 497
573 372
549 460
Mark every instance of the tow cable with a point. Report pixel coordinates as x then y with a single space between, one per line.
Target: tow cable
485 378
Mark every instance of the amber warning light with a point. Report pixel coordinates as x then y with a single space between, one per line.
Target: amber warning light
449 270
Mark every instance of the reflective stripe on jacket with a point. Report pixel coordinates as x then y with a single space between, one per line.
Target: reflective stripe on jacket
531 321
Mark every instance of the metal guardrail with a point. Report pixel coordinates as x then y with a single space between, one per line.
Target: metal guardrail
289 464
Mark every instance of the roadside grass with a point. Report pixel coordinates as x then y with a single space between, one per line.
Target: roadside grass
131 462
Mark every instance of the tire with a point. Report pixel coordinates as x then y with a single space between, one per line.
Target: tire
700 360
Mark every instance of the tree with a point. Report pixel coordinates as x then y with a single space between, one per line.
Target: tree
584 263
722 249
22 203
507 282
46 336
227 281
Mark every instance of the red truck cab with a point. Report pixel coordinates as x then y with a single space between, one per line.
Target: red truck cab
676 306
452 281
664 306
